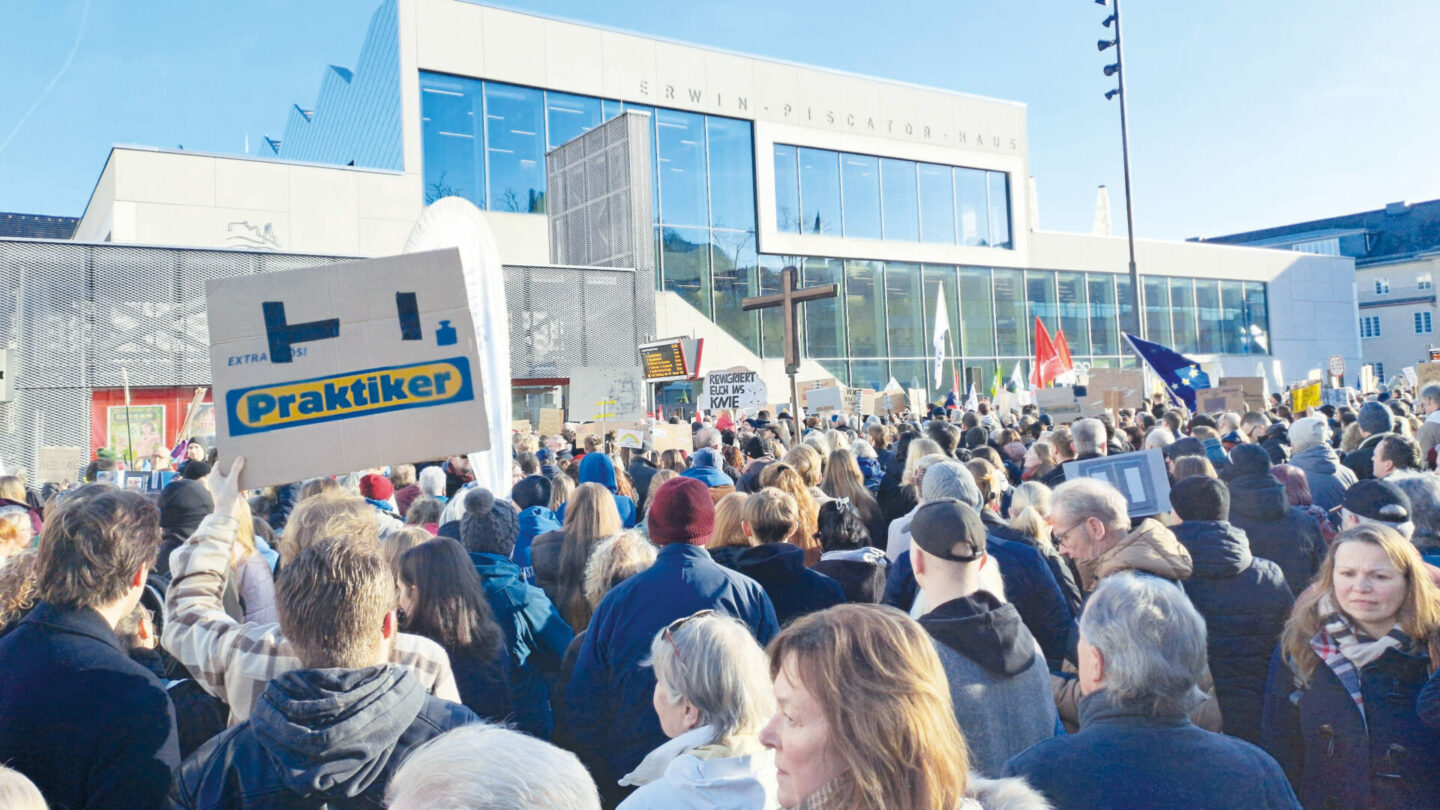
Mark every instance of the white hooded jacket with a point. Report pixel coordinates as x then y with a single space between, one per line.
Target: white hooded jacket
673 777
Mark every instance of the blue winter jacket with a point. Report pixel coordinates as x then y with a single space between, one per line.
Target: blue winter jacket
1387 760
534 522
608 705
709 476
535 634
1245 602
1123 760
597 468
794 590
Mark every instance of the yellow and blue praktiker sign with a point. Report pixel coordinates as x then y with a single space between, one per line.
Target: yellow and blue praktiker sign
282 405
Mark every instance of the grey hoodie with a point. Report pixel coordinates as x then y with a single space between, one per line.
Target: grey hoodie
1327 477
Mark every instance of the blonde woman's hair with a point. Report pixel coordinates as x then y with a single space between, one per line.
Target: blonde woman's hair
1030 511
331 514
12 487
401 541
656 480
561 487
816 441
783 477
1351 439
590 516
614 560
884 695
1189 466
17 792
1419 614
807 461
988 478
919 448
729 514
529 443
245 531
712 661
843 479
773 516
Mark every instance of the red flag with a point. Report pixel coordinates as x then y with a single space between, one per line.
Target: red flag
1047 360
1062 348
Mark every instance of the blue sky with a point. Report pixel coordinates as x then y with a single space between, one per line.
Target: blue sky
1244 113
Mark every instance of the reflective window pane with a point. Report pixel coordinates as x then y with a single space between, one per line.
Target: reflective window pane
1104 333
824 321
820 191
977 320
1157 309
937 204
1182 314
1074 315
860 175
732 174
1257 317
609 109
865 309
899 201
680 144
568 117
1232 317
1207 310
904 306
772 328
1011 329
733 266
872 374
1040 295
452 147
787 190
942 277
1124 308
685 265
999 183
973 206
514 134
918 374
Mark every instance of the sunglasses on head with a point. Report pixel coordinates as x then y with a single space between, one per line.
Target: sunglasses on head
679 623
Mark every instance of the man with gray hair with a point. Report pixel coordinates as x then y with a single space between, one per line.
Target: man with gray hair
1088 437
1028 581
482 765
1428 401
708 437
1142 655
1423 490
1327 476
1376 422
1090 523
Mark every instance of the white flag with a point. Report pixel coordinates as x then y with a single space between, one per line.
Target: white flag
972 402
942 326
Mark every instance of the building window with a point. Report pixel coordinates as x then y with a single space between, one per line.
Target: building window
860 181
937 204
900 200
515 148
1380 372
1370 326
1382 286
1157 309
1422 323
1424 282
820 192
787 190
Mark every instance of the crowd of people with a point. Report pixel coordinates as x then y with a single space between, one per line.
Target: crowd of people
920 612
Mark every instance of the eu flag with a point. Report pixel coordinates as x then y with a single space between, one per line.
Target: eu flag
1181 375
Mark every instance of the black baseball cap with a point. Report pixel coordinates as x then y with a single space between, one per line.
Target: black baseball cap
1185 446
949 529
1379 500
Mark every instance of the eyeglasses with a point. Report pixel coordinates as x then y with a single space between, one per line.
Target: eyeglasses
1061 535
679 623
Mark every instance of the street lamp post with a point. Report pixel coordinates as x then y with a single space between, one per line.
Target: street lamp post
1135 324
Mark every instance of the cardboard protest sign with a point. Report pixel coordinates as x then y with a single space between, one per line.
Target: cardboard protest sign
1059 402
552 422
631 438
1425 373
1140 476
520 426
1228 397
1368 382
891 402
606 393
829 398
1306 396
860 400
60 465
338 368
915 399
1252 390
803 390
732 390
671 437
1130 382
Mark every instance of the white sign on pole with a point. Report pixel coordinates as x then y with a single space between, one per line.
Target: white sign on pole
606 394
733 390
338 368
829 398
1337 366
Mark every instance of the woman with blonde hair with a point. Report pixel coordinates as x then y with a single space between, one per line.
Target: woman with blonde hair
810 464
729 538
1340 706
657 479
19 793
560 556
843 479
785 478
865 718
561 488
712 694
255 582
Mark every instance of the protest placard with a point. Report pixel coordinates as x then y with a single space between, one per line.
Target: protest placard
346 366
1130 382
803 389
59 465
915 400
1140 476
671 437
1306 396
830 398
631 438
521 426
1252 390
1425 373
860 401
1059 402
552 422
606 393
733 389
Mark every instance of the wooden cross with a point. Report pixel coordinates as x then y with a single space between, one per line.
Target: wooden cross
789 300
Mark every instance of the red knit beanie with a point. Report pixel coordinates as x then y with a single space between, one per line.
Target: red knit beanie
376 487
682 512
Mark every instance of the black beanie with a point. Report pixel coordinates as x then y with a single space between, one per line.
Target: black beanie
194 470
1248 459
533 490
489 526
183 504
1200 497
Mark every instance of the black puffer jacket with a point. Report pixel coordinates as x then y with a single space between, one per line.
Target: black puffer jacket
1284 534
327 738
1244 601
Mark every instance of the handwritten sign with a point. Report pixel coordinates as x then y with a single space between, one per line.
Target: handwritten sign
732 390
552 422
631 438
60 465
347 366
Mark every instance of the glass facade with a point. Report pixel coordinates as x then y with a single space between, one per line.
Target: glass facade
485 141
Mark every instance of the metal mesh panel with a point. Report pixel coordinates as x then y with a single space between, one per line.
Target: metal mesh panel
83 312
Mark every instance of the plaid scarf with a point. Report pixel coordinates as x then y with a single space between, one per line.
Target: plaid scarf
1346 650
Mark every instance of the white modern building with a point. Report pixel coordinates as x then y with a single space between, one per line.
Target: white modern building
899 193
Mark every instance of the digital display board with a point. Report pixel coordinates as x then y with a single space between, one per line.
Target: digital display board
663 361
